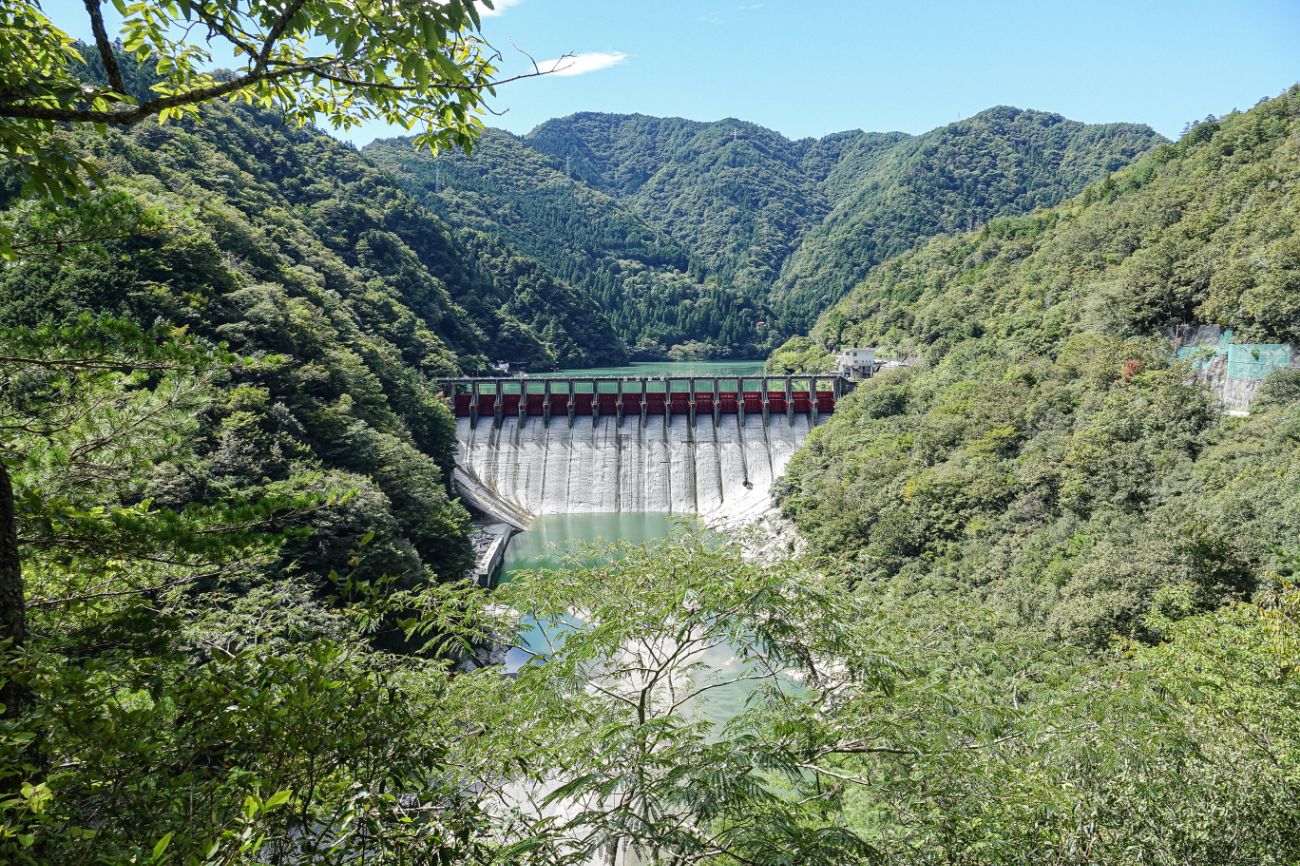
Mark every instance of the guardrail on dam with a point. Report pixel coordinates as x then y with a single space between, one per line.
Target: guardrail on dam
683 445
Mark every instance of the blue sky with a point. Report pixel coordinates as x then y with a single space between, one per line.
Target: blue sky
810 68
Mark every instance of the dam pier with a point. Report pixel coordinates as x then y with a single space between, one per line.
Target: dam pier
711 445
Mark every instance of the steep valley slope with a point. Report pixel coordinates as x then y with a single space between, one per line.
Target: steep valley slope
1049 453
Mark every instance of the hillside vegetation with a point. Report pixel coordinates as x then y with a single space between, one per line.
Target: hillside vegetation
1000 162
641 278
1085 569
1049 455
739 196
345 294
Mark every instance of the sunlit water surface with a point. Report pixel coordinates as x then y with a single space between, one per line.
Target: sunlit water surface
557 540
667 368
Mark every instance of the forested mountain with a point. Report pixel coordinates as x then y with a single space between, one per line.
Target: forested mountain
468 296
640 277
1050 455
723 238
1000 162
296 253
737 195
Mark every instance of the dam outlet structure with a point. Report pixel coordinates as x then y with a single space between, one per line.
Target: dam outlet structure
680 445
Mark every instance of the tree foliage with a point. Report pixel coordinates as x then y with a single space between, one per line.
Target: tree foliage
201 671
1002 161
1049 454
700 235
787 227
338 392
407 64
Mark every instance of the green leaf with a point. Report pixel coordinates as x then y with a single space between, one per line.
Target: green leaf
161 845
279 798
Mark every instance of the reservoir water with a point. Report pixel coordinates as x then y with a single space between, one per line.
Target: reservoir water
667 368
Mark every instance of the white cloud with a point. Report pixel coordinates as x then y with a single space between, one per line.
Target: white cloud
499 8
581 64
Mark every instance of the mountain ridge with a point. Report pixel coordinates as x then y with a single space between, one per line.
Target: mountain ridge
743 235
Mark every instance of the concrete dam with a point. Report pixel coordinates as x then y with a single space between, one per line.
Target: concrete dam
713 447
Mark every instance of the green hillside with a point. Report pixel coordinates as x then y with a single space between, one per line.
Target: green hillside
292 250
1049 455
721 239
1000 162
735 194
642 279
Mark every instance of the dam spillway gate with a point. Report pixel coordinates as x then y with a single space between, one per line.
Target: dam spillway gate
712 446
619 396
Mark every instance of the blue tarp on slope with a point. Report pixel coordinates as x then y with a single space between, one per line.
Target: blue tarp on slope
1247 361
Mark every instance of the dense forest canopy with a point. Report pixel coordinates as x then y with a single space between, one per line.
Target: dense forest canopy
287 247
737 194
1001 161
721 239
639 277
1049 454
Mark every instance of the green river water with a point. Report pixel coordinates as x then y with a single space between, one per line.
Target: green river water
667 368
553 538
557 539
728 372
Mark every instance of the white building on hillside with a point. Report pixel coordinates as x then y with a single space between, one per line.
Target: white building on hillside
856 363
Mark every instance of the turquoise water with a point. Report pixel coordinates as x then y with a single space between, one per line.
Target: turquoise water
657 374
728 372
668 368
557 540
554 536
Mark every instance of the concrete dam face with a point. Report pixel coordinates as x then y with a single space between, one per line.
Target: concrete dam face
714 453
